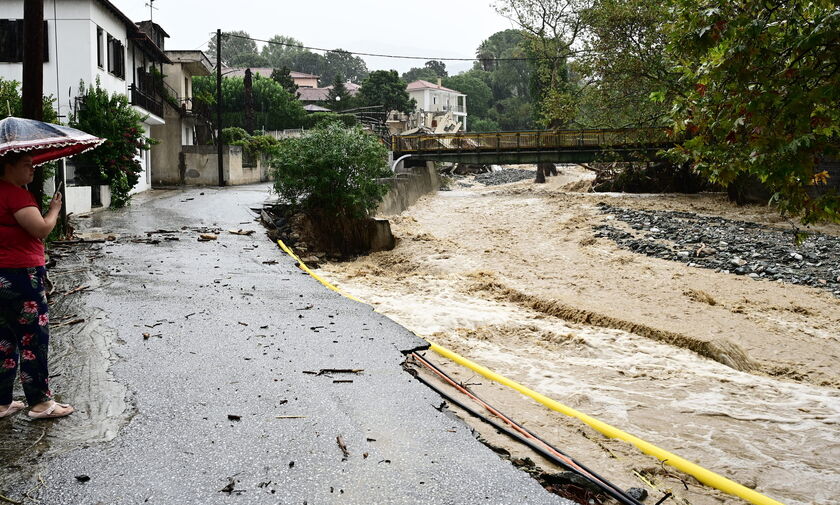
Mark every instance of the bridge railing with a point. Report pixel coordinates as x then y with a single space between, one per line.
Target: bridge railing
531 140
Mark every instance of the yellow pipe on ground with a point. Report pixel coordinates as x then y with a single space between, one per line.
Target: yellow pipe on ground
707 477
701 474
317 277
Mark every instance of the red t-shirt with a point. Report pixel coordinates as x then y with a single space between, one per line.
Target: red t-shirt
18 249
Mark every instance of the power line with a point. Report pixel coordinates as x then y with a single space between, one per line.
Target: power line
378 55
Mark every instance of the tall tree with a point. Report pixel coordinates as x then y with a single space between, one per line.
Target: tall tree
438 67
761 96
343 62
235 44
283 76
418 73
624 61
338 98
479 94
280 51
430 71
274 107
386 89
552 29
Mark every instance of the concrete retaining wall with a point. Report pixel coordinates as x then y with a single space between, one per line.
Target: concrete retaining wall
407 187
201 166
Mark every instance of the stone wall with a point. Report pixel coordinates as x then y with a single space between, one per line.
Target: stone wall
407 187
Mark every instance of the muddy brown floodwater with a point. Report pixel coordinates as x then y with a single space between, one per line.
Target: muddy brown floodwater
512 277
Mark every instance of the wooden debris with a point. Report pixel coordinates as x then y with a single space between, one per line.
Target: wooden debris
290 417
343 447
205 237
76 290
242 232
70 323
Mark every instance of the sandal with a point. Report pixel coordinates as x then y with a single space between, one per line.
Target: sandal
13 408
48 413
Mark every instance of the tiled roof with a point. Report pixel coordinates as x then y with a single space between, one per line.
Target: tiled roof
265 72
312 94
421 84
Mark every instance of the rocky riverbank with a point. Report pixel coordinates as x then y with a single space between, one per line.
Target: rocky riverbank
729 246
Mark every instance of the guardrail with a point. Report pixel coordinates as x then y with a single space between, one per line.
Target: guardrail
531 140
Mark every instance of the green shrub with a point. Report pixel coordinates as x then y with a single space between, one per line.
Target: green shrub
321 118
114 162
234 134
331 171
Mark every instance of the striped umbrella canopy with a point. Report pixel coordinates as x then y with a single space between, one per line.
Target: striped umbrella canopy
44 141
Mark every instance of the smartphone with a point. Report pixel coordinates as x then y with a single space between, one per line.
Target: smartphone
60 187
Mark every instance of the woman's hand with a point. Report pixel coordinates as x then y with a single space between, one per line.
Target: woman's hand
55 203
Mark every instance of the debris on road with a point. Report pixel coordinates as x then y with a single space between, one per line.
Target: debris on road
77 289
343 446
242 232
205 237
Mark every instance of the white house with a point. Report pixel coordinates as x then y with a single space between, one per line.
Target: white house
181 118
86 40
434 99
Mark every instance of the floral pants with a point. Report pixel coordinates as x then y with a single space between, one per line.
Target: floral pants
24 333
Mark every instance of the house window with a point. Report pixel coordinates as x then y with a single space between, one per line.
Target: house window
116 57
11 41
99 36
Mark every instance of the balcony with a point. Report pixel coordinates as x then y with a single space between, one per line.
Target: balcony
461 109
147 100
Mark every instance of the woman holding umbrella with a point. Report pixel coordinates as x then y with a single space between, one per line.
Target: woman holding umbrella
24 331
24 319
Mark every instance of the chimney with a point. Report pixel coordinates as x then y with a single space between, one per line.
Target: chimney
438 81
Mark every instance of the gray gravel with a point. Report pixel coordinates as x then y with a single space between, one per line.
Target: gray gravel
505 176
736 247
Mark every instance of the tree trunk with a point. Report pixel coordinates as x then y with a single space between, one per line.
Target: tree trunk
249 102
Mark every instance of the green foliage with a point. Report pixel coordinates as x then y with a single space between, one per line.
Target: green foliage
254 144
248 60
339 98
10 102
283 52
760 94
483 125
385 88
341 62
283 77
625 64
114 163
317 119
479 94
233 48
234 134
332 171
428 72
274 107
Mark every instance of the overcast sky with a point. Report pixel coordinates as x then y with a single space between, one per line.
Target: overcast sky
437 28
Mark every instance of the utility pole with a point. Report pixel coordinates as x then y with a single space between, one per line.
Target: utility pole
219 106
33 76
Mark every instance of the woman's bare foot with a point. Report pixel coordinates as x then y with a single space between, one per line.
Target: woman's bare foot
50 409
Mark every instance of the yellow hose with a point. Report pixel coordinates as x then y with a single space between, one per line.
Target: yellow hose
317 277
701 474
707 477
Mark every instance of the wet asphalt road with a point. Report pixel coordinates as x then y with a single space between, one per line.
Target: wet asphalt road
194 407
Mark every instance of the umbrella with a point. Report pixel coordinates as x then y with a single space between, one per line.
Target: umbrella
44 141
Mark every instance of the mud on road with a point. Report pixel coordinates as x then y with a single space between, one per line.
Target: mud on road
735 374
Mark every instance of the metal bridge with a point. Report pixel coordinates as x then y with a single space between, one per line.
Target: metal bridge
550 146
